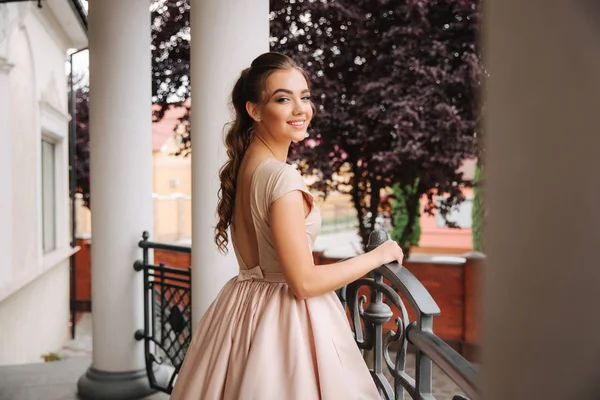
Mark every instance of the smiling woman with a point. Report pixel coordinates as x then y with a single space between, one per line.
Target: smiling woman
277 330
285 114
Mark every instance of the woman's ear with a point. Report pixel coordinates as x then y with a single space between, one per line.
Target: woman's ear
252 109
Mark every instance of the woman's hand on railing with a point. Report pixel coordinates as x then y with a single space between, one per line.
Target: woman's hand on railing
402 280
389 251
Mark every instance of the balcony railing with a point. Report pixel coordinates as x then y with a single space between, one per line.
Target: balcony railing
371 302
167 315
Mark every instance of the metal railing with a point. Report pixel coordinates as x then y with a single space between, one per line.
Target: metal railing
167 315
168 329
388 286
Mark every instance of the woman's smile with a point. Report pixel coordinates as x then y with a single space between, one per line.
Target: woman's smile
299 123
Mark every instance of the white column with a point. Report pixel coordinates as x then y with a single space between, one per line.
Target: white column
226 36
121 192
541 320
6 175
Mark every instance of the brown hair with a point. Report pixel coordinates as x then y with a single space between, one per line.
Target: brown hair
249 87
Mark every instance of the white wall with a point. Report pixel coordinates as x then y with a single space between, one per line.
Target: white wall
34 319
34 295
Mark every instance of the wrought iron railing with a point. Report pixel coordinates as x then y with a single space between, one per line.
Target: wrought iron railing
391 285
369 302
167 315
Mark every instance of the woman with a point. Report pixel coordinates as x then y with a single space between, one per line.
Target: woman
276 331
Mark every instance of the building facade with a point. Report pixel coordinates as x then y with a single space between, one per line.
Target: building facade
34 195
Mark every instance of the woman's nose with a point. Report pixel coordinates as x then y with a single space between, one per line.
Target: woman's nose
300 107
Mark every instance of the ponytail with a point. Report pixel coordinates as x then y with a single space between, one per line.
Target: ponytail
237 140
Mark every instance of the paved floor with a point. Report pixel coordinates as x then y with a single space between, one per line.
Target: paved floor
47 381
81 346
54 380
443 387
58 380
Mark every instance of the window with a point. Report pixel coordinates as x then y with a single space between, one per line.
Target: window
48 196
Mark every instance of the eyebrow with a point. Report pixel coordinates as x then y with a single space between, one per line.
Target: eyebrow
288 91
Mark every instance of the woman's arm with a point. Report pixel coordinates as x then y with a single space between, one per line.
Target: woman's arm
286 219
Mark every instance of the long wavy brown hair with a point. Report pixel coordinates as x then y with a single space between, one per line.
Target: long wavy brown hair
250 86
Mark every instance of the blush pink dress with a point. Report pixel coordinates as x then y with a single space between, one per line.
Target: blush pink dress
257 341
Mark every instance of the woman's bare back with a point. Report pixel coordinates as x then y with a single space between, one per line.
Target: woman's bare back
242 222
243 225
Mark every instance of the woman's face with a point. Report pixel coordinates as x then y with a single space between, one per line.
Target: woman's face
287 109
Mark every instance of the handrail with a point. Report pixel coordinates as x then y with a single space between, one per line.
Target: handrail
461 371
369 318
146 244
406 283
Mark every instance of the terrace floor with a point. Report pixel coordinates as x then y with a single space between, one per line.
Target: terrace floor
58 380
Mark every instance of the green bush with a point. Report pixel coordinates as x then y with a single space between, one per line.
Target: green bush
51 357
478 211
400 217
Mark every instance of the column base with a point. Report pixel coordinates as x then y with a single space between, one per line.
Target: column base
102 385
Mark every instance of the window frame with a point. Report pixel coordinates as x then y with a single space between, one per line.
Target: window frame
53 127
46 247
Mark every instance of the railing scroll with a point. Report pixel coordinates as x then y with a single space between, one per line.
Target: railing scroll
369 302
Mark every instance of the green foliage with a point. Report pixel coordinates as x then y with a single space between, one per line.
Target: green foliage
401 215
478 210
51 357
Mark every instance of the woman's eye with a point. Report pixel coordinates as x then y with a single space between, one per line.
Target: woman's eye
286 99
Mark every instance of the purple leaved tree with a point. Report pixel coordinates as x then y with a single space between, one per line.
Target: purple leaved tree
396 84
82 138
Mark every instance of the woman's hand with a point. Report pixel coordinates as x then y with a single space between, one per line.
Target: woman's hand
388 252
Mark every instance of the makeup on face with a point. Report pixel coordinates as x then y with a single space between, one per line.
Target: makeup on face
288 110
